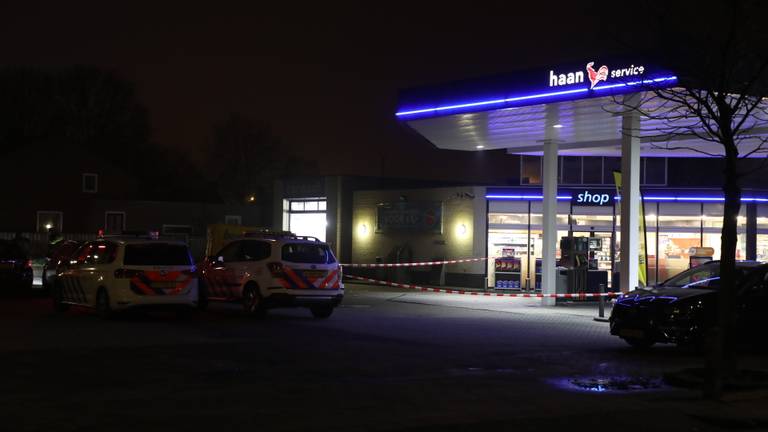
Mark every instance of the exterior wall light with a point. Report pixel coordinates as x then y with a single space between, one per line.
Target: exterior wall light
557 126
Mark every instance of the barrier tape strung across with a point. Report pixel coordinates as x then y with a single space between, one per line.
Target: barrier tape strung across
418 264
483 293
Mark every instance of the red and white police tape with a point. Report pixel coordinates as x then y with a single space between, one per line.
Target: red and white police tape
483 293
418 264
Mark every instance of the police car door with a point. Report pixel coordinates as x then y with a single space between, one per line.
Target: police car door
255 254
224 276
75 280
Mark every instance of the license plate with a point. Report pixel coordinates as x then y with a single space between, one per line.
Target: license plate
314 274
6 266
632 333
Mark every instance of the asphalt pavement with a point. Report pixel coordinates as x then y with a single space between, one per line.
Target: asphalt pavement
387 360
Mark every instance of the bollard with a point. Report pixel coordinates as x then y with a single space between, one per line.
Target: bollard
601 302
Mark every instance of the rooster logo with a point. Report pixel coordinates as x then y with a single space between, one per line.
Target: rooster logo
596 76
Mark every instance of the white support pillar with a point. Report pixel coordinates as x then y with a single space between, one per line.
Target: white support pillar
549 222
630 196
549 204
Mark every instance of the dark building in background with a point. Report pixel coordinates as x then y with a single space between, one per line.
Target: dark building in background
80 195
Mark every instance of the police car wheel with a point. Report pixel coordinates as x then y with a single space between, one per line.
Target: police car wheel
252 302
321 312
58 299
102 304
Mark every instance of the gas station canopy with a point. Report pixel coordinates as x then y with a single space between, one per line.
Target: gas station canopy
514 112
575 109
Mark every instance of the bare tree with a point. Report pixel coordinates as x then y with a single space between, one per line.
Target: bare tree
718 108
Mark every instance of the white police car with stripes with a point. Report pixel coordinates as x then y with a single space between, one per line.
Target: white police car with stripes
269 270
117 273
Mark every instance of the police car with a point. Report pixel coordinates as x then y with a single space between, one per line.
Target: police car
269 270
118 273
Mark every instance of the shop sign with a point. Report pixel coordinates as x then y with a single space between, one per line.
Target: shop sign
422 217
592 198
595 76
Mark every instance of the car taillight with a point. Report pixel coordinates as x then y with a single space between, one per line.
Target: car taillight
275 268
126 273
28 264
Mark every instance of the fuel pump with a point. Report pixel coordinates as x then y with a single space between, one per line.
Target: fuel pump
574 257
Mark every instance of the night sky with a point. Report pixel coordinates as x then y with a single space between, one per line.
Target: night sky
324 76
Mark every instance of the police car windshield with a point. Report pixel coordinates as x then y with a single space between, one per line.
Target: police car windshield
309 253
157 254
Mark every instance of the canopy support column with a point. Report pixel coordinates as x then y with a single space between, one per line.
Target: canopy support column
549 210
630 195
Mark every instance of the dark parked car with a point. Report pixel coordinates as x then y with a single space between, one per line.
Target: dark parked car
681 309
56 259
15 267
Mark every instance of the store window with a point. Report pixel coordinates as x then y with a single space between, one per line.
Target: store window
762 216
610 164
655 171
592 173
712 221
574 170
680 215
530 170
714 240
561 220
713 216
650 250
673 252
570 170
679 231
762 247
592 221
508 218
510 268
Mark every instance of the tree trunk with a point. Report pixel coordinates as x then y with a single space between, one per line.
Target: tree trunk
722 358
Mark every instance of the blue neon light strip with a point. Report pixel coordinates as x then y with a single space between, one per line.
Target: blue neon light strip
647 198
524 197
634 83
534 96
